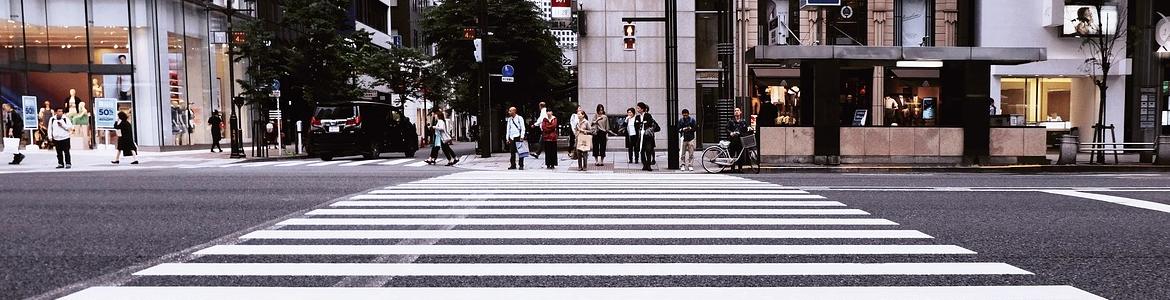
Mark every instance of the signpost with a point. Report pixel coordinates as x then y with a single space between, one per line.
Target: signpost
29 105
278 116
507 71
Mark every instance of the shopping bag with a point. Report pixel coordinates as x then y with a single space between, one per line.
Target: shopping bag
11 145
521 148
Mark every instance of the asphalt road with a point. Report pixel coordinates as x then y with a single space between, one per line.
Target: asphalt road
81 226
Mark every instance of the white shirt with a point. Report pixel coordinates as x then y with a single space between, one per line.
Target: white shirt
573 122
540 119
630 130
515 127
59 128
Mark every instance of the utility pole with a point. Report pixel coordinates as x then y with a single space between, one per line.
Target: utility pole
672 138
485 132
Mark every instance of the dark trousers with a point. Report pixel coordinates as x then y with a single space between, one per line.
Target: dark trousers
647 157
215 142
582 159
733 150
63 156
600 142
512 150
450 154
550 157
632 149
537 148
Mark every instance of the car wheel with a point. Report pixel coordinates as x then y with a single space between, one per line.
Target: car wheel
373 152
409 153
326 157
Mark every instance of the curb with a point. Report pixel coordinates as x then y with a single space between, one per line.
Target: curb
265 159
973 169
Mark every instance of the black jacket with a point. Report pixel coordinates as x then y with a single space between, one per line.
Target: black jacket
642 124
15 122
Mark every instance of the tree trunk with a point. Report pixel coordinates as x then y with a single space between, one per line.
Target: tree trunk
1099 129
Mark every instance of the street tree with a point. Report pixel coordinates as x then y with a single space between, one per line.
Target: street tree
1103 43
265 63
411 75
518 36
328 60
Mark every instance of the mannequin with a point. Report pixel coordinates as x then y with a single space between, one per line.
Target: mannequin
98 91
81 123
71 102
178 124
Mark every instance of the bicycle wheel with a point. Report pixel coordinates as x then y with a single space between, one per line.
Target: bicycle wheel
712 159
752 162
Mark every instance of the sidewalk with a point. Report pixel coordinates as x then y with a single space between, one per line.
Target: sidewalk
99 159
615 161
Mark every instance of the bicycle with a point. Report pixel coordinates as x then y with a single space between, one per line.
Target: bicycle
717 158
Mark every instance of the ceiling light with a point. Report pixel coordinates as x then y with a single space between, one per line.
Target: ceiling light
919 64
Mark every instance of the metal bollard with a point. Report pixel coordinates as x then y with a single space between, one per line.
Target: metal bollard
300 135
1068 150
1163 148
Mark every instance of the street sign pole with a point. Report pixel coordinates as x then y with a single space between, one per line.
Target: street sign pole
485 123
671 22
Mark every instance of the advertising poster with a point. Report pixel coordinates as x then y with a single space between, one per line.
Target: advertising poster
29 105
105 112
561 9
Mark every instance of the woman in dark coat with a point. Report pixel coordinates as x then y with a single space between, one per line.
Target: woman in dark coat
646 127
126 144
216 123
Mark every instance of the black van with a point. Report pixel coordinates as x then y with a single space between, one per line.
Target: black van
361 128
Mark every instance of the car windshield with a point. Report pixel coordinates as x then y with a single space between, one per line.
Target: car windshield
334 112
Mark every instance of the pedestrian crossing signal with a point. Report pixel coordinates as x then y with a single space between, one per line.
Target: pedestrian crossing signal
629 39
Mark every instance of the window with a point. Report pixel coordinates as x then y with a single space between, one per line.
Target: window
706 40
914 22
373 13
1037 100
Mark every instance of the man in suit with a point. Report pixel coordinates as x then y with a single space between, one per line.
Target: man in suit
646 127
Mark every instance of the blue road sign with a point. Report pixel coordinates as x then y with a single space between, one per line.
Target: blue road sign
507 71
275 85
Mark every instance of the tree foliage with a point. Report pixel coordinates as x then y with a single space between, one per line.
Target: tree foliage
265 63
519 38
411 74
325 54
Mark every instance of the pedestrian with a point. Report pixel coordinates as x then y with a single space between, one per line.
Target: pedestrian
216 123
573 121
515 137
539 126
46 113
13 124
646 127
738 127
442 140
600 135
631 134
686 128
126 145
60 128
584 143
548 139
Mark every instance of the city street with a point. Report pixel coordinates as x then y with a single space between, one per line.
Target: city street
374 231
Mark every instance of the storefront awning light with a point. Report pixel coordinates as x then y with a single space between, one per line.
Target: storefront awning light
919 64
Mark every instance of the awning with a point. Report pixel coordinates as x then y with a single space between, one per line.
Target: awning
884 55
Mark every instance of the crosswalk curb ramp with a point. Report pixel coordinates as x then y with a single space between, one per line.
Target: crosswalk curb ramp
508 235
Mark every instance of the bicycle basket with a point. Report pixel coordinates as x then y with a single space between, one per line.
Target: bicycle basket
748 141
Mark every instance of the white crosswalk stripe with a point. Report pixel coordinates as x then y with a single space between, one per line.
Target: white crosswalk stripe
395 162
568 226
362 162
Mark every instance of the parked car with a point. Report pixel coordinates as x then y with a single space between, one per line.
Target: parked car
361 128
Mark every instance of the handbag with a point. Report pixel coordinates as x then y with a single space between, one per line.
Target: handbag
11 145
521 148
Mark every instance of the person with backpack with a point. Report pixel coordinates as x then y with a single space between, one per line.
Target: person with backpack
60 129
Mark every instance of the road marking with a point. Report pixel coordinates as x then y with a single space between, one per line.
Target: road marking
296 163
633 194
580 211
580 269
586 234
582 203
417 164
1115 199
395 162
584 221
362 162
261 164
546 190
583 250
531 293
321 164
550 185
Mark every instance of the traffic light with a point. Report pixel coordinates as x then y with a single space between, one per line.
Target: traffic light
629 39
478 50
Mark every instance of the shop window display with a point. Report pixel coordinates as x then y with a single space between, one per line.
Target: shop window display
912 99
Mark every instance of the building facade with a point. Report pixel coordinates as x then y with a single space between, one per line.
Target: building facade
164 62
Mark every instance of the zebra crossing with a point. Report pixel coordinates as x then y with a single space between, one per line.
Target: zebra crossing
515 235
312 163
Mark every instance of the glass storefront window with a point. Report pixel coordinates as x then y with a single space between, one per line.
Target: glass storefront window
706 39
1036 100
